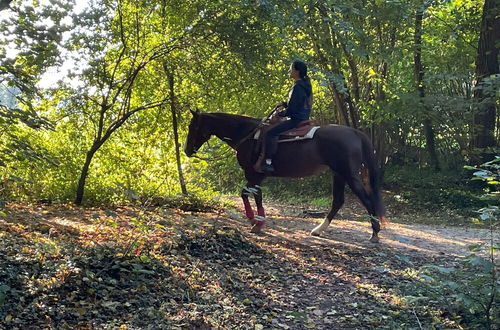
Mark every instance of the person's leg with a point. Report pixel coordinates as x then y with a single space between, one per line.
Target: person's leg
271 140
273 134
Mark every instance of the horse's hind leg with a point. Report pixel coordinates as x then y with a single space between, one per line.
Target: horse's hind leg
358 188
337 202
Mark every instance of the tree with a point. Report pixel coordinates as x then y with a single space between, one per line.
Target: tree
487 67
330 48
27 50
116 73
419 84
175 125
141 38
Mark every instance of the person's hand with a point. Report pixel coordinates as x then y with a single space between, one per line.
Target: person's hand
282 113
274 119
279 105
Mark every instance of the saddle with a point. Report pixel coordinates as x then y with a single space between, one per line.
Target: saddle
305 130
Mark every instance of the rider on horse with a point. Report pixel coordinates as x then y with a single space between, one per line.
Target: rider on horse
298 108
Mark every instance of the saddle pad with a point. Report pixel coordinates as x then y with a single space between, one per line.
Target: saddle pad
309 135
289 136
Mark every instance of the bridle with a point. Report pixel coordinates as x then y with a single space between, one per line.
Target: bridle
242 140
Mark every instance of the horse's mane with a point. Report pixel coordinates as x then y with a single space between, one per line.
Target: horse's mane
233 118
235 126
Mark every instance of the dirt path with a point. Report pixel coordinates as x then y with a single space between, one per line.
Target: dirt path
351 227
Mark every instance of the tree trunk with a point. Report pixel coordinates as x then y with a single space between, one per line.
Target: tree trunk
339 103
345 108
419 83
173 109
83 175
486 66
4 4
353 66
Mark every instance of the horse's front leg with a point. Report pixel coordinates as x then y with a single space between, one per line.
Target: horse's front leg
261 219
337 202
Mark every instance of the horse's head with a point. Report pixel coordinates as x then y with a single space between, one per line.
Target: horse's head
197 135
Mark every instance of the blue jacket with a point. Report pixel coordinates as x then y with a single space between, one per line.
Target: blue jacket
298 105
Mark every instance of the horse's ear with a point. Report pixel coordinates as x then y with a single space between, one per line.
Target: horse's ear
195 113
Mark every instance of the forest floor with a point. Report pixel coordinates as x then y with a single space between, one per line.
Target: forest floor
69 267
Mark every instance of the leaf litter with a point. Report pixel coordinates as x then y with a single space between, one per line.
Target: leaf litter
67 267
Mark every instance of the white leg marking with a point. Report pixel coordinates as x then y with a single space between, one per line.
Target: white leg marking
317 231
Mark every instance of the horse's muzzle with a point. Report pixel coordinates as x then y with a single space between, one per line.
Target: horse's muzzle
190 153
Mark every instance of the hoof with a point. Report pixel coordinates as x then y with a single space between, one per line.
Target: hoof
257 227
252 221
314 233
374 239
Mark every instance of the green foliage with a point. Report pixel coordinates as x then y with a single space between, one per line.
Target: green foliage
428 189
489 172
229 56
466 293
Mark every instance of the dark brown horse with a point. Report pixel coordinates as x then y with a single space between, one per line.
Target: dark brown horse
346 151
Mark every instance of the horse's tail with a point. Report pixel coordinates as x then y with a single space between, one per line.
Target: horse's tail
370 163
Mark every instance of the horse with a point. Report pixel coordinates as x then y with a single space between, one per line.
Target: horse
347 152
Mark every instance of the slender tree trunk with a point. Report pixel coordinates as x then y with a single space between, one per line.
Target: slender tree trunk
343 113
84 173
173 109
486 66
419 77
353 66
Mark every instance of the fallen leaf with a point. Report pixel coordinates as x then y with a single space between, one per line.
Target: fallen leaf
318 312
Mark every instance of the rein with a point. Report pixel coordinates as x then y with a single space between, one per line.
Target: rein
266 118
223 156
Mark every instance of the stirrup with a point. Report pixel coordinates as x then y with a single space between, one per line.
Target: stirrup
267 168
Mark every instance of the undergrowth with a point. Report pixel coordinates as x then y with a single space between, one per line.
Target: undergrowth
426 188
468 292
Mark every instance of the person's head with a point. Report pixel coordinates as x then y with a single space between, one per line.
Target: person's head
298 70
